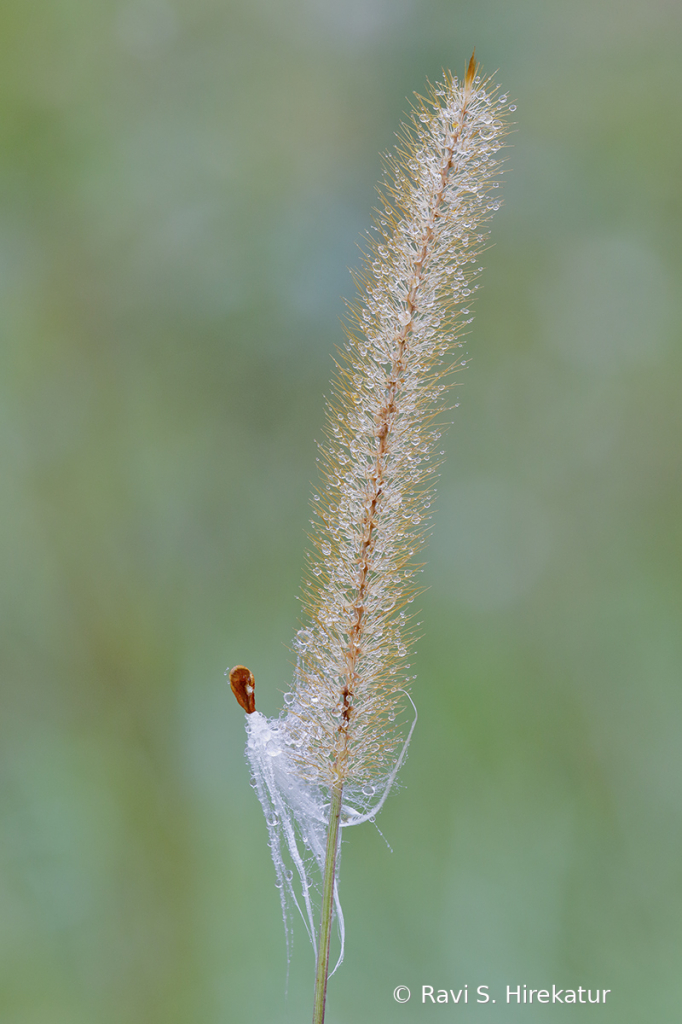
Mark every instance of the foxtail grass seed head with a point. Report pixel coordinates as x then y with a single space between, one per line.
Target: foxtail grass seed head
344 721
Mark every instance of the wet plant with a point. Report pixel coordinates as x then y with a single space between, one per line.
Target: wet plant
330 758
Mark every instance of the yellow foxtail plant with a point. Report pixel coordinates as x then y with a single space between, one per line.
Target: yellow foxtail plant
329 760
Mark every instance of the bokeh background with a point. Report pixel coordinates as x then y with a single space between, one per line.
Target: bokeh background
182 189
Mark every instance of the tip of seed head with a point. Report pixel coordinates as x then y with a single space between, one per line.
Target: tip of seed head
471 72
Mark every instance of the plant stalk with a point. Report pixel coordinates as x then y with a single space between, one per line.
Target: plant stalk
327 905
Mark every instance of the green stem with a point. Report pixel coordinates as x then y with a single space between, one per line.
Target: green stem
327 905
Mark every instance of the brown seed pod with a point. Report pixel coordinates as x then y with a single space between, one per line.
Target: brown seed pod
243 686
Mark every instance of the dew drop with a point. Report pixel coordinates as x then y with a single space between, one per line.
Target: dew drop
302 639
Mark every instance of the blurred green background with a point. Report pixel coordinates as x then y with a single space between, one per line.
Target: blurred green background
182 187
